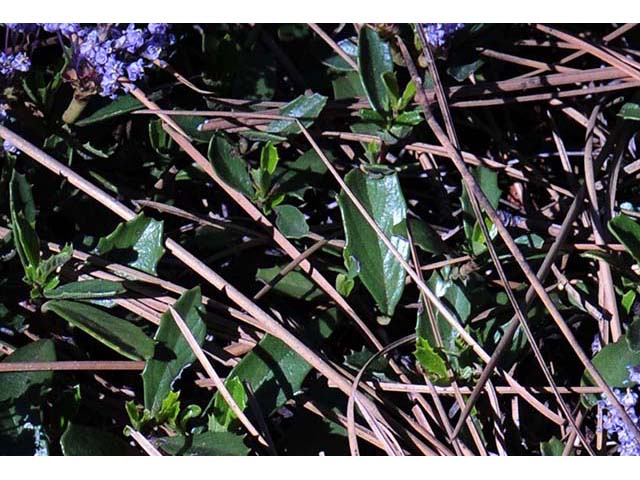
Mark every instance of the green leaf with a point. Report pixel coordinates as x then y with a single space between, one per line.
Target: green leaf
553 447
425 237
205 444
53 263
116 333
86 289
487 179
344 284
630 111
229 166
274 372
121 106
407 95
462 72
305 108
137 243
293 284
391 85
374 60
380 272
15 384
160 140
79 440
269 158
223 416
23 222
633 335
172 354
613 361
627 231
409 119
432 363
628 300
291 222
348 85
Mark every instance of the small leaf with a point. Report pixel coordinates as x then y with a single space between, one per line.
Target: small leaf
344 284
205 444
138 243
116 333
229 166
553 447
627 231
172 354
374 60
628 300
223 416
380 272
293 284
613 363
630 111
407 95
338 63
432 363
15 384
78 440
53 263
305 108
291 222
269 158
86 289
462 72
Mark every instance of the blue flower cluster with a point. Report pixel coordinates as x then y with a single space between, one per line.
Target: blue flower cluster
103 53
10 63
612 422
100 54
438 33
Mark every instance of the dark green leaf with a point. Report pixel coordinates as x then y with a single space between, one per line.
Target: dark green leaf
613 361
172 354
229 166
627 231
116 333
16 384
374 60
78 440
291 222
348 86
138 243
122 105
205 444
293 284
379 270
425 237
23 224
86 289
462 72
305 108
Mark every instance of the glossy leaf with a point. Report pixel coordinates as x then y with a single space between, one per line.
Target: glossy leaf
137 243
86 289
305 108
425 237
374 60
291 222
630 111
432 363
380 272
172 354
118 334
230 166
23 223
